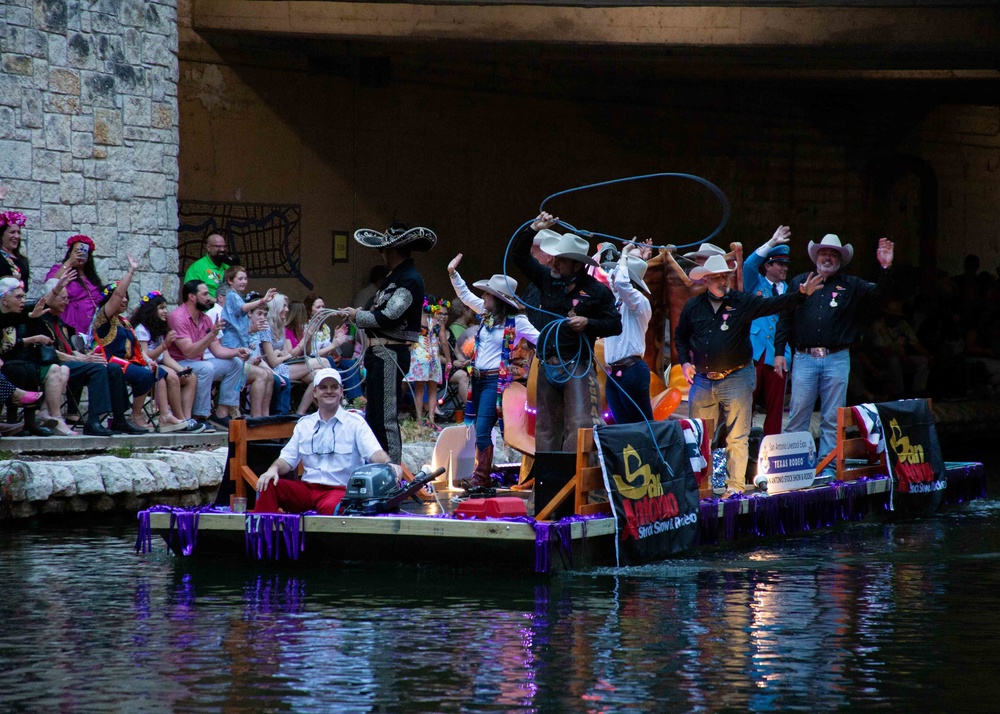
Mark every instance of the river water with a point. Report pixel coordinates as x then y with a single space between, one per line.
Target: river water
872 616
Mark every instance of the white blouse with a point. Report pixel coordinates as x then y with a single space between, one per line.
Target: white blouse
491 341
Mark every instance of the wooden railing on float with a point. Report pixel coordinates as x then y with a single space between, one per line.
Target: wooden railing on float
240 433
856 449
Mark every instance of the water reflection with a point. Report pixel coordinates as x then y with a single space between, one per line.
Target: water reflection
870 616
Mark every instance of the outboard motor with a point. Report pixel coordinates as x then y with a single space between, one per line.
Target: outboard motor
373 489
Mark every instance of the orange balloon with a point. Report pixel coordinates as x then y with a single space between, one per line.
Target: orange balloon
667 404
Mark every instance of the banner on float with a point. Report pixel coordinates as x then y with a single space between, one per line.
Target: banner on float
786 462
652 491
911 439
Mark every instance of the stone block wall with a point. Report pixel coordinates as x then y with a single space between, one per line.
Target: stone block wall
88 132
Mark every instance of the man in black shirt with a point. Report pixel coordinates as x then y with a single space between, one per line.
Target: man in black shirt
391 324
713 340
821 331
567 390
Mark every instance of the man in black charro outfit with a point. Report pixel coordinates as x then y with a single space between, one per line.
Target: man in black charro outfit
391 324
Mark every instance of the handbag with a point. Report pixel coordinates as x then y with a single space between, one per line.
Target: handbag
47 354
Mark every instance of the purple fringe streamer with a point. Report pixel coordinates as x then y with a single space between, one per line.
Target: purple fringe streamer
184 520
268 534
966 482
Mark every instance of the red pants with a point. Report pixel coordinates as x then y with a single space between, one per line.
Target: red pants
298 497
770 388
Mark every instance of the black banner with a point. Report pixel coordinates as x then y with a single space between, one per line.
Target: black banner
912 445
653 492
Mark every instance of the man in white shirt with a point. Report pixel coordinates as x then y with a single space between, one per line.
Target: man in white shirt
627 385
330 444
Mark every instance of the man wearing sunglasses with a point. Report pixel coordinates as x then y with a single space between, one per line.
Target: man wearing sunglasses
330 444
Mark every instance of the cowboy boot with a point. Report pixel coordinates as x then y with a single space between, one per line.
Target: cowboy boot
481 476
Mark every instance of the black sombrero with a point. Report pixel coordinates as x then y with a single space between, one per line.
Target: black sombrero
399 234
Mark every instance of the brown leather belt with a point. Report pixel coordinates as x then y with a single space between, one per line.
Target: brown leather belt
716 376
624 363
483 373
820 352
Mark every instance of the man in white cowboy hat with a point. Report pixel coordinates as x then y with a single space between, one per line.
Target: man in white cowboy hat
501 328
391 324
532 295
821 331
764 273
567 390
713 341
627 386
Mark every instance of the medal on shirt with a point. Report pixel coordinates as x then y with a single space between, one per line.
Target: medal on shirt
725 325
833 302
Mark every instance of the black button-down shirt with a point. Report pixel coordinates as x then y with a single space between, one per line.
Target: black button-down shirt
832 316
582 295
397 306
700 336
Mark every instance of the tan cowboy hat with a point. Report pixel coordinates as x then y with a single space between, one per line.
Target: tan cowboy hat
398 235
569 246
500 286
706 250
831 241
715 265
636 267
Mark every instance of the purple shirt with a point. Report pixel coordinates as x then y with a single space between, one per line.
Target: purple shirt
83 300
179 320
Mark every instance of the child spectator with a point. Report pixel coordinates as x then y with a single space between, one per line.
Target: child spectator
427 356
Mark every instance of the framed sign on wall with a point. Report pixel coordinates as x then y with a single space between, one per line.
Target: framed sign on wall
340 244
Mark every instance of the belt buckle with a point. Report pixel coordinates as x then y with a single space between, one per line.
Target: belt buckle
819 352
715 376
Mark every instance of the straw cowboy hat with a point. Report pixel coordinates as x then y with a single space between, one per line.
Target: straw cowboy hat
636 267
831 241
715 265
500 286
569 246
398 235
706 250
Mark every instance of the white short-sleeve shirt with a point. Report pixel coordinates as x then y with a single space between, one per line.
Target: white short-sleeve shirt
330 450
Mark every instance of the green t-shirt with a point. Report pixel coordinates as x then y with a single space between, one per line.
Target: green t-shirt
204 270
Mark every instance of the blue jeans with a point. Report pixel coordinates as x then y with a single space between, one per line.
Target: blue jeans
351 376
825 377
731 400
627 392
281 397
484 398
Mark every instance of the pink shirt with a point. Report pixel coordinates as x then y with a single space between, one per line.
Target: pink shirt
179 320
83 299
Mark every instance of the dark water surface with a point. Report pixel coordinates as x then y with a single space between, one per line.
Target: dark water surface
897 617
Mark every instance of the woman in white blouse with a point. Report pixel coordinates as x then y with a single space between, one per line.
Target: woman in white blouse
502 326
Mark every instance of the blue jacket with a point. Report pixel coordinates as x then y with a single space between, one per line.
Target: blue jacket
763 328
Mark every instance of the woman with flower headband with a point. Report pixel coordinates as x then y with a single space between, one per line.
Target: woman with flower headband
174 393
427 356
117 340
17 362
12 261
502 326
85 290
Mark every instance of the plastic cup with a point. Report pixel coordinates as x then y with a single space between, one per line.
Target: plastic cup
239 505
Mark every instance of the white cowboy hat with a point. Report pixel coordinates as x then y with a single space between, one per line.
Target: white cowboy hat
706 250
544 237
500 286
569 246
715 265
399 234
833 242
636 267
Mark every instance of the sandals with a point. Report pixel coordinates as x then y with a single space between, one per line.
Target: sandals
29 399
